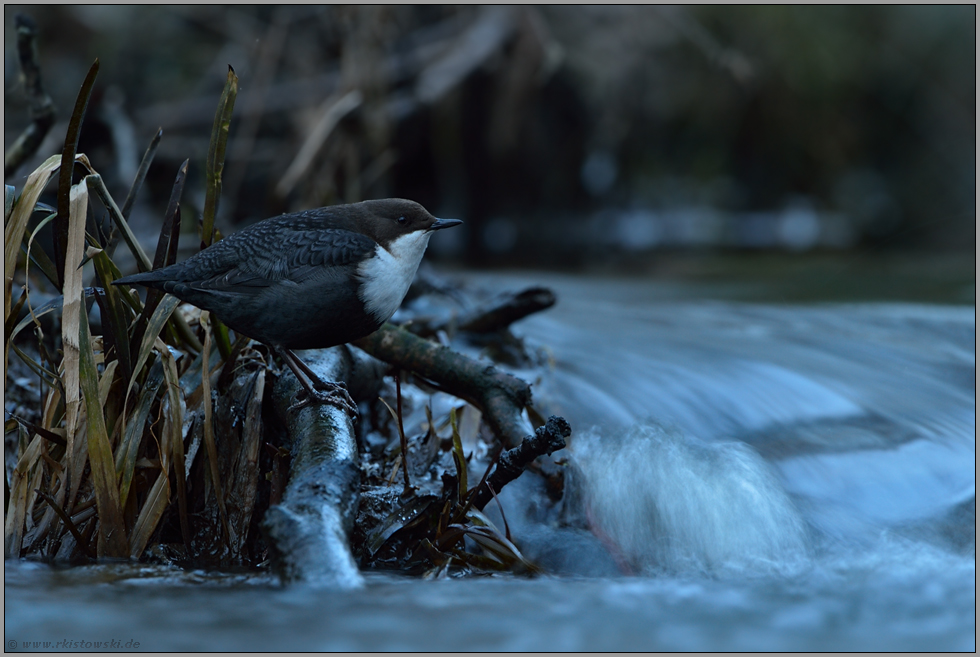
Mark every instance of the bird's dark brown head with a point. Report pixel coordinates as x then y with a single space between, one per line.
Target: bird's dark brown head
386 220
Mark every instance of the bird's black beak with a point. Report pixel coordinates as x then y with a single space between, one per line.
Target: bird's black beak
445 223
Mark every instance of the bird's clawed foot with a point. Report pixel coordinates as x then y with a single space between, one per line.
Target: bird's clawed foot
315 389
326 392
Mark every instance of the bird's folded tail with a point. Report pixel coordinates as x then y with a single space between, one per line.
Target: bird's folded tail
154 279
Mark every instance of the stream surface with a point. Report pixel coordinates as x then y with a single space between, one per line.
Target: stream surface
761 476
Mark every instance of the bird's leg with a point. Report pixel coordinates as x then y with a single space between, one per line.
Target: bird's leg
317 390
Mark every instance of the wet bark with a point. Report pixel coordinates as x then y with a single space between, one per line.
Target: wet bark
309 531
500 396
547 439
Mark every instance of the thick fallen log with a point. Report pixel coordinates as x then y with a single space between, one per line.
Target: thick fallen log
309 531
501 397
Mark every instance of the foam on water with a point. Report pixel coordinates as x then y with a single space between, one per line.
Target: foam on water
670 502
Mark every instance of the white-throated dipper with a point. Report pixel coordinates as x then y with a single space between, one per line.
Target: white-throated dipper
307 280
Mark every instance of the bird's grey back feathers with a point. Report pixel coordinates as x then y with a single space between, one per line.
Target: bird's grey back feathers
294 280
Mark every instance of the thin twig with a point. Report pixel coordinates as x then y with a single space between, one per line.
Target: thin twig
148 156
401 433
79 539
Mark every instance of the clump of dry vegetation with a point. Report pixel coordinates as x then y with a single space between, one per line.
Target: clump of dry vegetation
153 435
101 463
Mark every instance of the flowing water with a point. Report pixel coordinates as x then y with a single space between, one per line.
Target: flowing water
756 477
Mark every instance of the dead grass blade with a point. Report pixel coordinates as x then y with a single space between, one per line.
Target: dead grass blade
13 529
50 378
486 534
15 227
170 232
399 519
9 195
36 313
128 449
167 241
38 256
153 328
458 456
149 517
97 185
35 482
106 380
8 327
55 436
75 463
165 254
173 447
112 531
134 190
215 164
62 238
244 479
214 168
209 443
72 311
65 518
52 404
166 244
116 315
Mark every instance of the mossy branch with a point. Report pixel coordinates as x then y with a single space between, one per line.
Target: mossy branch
500 396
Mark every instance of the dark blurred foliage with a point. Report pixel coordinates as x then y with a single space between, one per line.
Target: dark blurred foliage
560 134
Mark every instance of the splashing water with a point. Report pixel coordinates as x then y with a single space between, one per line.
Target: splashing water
864 413
673 503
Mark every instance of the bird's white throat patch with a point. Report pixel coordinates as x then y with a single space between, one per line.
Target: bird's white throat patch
387 276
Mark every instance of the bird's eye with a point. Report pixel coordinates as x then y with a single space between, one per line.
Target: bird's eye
402 220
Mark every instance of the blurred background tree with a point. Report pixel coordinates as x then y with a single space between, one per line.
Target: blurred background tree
562 135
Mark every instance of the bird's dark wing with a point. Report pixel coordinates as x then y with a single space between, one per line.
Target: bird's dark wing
282 255
267 253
